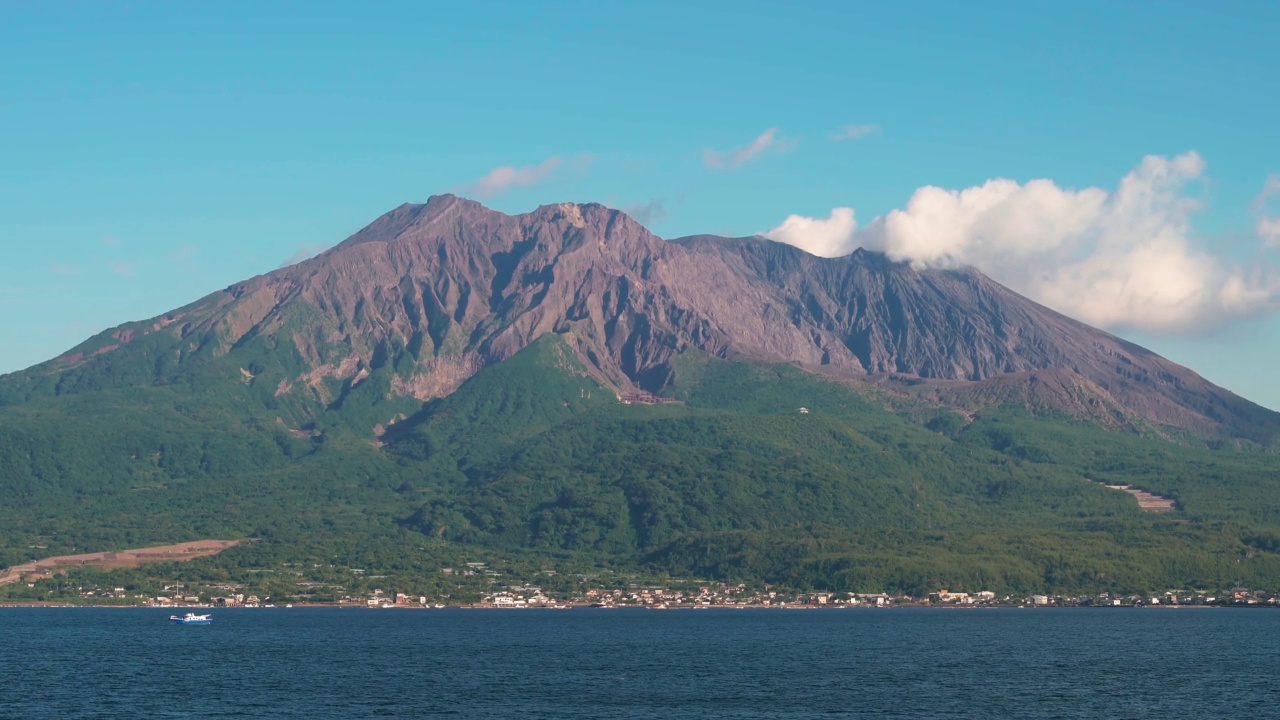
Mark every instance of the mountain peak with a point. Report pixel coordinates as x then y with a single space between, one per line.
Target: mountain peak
438 209
443 215
428 294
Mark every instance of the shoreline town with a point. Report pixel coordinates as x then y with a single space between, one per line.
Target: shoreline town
658 598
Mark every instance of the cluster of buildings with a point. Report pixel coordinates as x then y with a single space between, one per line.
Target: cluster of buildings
236 600
705 595
95 592
711 595
521 596
643 398
740 596
1242 597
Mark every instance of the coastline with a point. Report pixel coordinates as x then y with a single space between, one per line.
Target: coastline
587 606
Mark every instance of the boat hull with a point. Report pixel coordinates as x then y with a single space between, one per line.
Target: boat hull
191 619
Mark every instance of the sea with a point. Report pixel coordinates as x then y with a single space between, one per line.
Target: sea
622 663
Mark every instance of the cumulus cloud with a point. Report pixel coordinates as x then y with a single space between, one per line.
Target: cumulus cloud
124 268
1126 258
502 179
830 237
769 139
852 132
645 213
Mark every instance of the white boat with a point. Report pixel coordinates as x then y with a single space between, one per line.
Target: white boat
191 619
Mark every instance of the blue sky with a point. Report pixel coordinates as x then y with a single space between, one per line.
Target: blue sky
151 153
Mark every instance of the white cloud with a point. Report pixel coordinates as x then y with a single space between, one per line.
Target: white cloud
501 179
124 268
1269 188
853 132
64 269
737 156
831 237
645 213
1122 259
1269 230
306 252
1268 227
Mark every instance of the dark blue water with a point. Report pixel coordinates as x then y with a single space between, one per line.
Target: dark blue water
313 663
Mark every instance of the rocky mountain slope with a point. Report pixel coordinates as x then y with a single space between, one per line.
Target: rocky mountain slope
427 295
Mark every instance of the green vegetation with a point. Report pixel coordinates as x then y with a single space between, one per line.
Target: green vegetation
533 466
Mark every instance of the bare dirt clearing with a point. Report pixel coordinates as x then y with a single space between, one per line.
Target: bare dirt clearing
1147 501
181 552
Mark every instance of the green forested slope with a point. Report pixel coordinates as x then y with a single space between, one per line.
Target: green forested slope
535 463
